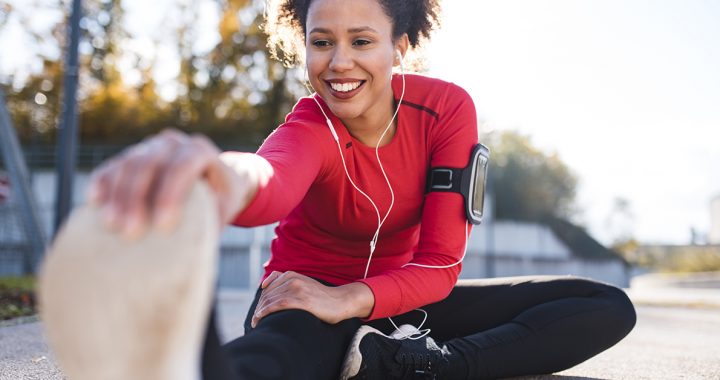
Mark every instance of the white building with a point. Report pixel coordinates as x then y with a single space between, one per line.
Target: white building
714 234
501 248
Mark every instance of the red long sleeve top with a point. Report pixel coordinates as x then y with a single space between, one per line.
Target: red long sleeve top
326 225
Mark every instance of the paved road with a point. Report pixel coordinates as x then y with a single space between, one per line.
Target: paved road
668 342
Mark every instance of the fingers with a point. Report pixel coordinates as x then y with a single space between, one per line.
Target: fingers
149 181
191 161
136 190
274 305
281 291
292 290
269 279
99 183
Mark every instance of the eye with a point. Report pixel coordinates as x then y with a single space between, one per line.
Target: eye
361 42
321 43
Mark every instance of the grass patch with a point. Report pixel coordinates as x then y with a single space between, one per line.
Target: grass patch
17 297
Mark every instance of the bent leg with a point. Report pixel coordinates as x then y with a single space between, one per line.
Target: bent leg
528 325
291 344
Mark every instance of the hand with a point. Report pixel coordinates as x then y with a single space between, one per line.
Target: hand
290 290
148 182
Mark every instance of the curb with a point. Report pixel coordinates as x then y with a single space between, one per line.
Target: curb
675 297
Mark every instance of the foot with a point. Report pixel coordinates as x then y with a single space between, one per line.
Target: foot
374 355
120 309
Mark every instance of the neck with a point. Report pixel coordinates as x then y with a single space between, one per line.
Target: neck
368 128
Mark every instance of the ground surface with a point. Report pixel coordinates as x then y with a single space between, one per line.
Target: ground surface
667 343
671 341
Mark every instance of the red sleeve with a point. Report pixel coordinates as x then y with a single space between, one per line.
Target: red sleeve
296 151
443 220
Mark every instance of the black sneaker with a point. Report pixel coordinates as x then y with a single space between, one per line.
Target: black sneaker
373 355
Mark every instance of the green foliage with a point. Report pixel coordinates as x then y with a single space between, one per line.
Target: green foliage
677 259
17 298
628 249
707 260
235 93
24 283
236 89
527 183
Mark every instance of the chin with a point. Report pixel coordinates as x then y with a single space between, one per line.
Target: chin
344 112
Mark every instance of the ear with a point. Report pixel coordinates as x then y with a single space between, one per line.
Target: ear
401 45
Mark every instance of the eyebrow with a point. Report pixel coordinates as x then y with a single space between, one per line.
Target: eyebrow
351 30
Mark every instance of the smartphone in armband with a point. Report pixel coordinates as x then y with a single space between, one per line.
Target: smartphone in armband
469 181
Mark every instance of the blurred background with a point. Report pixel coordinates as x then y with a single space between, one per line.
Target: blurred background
602 118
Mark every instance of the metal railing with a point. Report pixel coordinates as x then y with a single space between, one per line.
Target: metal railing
88 156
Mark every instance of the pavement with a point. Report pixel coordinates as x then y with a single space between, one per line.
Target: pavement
677 337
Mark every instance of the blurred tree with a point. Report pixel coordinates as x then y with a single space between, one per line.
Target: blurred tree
629 250
33 98
619 222
528 184
35 106
234 93
112 110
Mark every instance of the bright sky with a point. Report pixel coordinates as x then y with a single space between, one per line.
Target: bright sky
626 91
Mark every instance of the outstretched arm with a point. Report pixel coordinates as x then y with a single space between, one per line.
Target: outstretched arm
146 184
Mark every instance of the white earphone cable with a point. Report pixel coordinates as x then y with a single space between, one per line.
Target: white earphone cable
382 169
381 221
418 331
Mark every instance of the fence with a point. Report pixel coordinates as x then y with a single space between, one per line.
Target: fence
14 249
494 248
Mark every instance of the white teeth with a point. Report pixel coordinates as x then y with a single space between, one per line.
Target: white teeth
345 87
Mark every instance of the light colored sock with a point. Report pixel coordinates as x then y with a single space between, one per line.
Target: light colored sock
115 309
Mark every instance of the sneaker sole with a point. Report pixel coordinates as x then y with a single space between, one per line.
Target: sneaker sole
116 309
353 357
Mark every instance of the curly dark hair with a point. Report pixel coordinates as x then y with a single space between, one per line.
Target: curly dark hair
285 22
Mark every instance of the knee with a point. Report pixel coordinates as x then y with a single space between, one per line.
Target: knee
306 335
618 313
291 321
621 311
286 344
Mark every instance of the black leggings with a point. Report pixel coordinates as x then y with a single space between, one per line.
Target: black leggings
502 327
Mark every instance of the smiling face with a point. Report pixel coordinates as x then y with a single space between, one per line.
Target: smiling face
350 54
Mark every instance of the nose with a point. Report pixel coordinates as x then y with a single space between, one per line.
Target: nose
341 59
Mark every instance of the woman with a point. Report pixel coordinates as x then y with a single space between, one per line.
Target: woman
359 239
